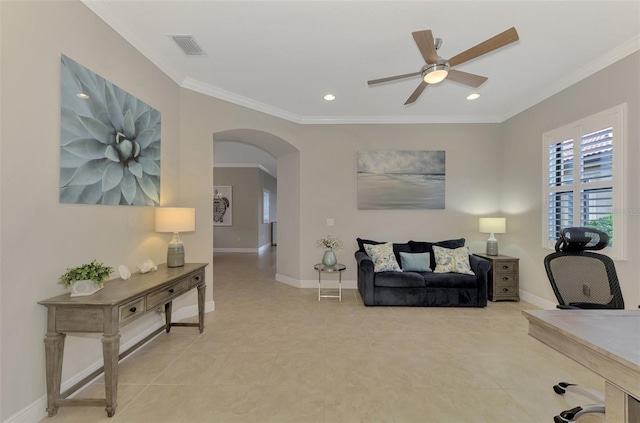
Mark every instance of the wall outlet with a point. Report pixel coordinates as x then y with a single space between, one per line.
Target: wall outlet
330 222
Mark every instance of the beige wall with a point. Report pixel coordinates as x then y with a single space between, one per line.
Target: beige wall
491 168
247 232
39 236
522 171
329 189
268 182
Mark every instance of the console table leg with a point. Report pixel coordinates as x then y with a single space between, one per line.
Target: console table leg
54 350
167 315
201 291
110 351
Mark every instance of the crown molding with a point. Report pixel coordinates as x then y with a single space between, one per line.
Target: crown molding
372 120
206 89
258 165
607 59
99 8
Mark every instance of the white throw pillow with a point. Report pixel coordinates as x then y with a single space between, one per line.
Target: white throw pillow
452 261
383 258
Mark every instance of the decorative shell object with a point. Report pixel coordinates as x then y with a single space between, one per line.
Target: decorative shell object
147 266
124 272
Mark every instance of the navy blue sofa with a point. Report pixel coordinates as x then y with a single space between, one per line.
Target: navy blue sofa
421 289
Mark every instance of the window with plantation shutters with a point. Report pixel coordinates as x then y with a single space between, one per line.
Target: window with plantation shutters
583 178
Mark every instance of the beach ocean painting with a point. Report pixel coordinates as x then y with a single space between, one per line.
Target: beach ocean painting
397 179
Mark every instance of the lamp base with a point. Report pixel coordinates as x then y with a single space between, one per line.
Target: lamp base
492 247
175 255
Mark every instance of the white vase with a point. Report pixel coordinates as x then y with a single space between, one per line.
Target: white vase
84 288
329 258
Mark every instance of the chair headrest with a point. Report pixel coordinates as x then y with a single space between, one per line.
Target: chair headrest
581 239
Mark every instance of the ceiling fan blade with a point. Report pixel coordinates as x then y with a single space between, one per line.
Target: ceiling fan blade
392 78
426 44
466 78
416 93
500 40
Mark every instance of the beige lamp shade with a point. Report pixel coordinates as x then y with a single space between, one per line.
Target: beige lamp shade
175 219
493 225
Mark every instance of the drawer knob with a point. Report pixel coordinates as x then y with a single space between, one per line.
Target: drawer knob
505 278
505 289
196 278
505 267
133 309
171 290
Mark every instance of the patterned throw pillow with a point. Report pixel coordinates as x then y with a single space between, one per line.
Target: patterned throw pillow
452 261
383 258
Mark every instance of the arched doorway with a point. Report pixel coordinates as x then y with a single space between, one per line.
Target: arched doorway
287 160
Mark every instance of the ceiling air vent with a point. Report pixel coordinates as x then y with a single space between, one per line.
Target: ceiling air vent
188 45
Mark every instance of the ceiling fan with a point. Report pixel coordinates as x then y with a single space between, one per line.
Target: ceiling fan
436 69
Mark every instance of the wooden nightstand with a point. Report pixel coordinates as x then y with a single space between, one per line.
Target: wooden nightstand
502 278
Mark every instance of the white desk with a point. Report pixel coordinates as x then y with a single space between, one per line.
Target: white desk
607 342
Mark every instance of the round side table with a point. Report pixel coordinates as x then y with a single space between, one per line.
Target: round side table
336 268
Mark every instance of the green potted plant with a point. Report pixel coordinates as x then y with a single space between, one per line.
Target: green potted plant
86 279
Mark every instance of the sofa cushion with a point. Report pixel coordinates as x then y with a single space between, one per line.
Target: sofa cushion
400 248
383 258
449 280
415 262
362 242
427 247
397 248
399 280
452 261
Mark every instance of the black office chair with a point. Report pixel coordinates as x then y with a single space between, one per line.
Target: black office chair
582 280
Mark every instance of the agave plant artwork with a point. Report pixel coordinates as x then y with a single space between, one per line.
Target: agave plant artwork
109 142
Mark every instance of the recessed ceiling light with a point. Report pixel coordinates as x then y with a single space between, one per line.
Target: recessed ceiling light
329 97
82 96
473 96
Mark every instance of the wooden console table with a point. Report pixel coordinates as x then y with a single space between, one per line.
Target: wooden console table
120 302
606 342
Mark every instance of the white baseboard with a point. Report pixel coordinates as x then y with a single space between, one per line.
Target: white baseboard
288 280
37 410
537 301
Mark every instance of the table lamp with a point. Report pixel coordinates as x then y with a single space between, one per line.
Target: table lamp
175 219
492 225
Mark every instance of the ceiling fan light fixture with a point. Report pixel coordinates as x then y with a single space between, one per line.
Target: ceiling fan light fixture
436 72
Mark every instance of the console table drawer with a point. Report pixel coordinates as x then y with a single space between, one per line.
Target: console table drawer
506 278
131 310
167 294
506 290
505 267
197 279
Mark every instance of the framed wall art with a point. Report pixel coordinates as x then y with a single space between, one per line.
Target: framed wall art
398 179
222 206
109 142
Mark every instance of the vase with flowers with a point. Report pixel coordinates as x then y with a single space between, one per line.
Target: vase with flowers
329 243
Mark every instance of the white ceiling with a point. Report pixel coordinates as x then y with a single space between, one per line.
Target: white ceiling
281 57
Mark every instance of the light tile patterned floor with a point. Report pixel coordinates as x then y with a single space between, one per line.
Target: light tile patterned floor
273 353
